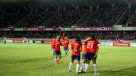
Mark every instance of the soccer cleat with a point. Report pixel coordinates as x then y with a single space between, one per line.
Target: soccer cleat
81 71
56 62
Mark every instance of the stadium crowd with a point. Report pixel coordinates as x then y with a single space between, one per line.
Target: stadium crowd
105 17
132 21
97 18
100 35
66 18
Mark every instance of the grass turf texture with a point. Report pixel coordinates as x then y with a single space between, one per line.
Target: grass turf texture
35 60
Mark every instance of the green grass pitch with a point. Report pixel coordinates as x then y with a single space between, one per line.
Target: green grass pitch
35 60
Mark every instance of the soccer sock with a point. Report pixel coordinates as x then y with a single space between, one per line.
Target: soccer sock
52 52
58 58
77 68
55 59
82 66
95 67
86 67
70 66
65 52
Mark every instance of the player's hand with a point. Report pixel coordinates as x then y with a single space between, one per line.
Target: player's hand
87 39
95 56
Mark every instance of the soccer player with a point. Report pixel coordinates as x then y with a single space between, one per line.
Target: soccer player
4 40
25 40
56 47
52 42
76 48
65 43
83 55
94 58
91 53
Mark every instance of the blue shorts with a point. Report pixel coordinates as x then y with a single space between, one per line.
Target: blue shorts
57 52
75 57
65 48
89 56
83 56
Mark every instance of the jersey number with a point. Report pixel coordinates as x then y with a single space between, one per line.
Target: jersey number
75 48
90 45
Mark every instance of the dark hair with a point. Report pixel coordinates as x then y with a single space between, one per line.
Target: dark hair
78 39
93 37
58 37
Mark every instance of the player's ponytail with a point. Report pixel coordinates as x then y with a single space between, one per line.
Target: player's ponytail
58 38
93 37
78 39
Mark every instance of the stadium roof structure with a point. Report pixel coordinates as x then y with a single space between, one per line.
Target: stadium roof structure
70 3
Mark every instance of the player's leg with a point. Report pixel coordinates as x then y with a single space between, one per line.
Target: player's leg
94 64
56 56
70 64
52 52
78 64
89 57
87 65
66 50
5 42
87 60
83 63
59 56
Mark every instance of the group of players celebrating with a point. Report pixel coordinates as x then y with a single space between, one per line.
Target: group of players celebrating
90 51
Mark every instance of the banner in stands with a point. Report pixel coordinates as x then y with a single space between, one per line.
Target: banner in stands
47 42
94 29
42 29
17 41
6 29
116 43
37 41
67 29
19 29
47 29
9 40
32 29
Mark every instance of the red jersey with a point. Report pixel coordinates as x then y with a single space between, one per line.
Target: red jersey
92 46
85 47
63 36
52 42
76 48
56 45
65 43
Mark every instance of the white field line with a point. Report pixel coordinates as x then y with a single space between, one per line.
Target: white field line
113 70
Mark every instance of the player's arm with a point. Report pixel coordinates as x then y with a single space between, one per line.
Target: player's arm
80 49
53 45
71 46
68 41
85 42
61 43
63 36
97 48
